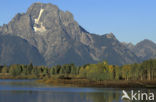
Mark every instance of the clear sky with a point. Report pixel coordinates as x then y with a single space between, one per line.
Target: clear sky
129 20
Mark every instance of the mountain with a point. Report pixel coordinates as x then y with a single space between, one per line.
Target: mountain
145 49
61 40
130 46
14 50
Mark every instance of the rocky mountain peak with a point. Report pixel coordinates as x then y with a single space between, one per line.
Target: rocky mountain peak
146 44
145 49
49 18
61 40
128 45
110 36
37 6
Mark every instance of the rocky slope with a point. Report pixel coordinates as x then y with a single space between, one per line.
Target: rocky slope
61 40
14 50
145 49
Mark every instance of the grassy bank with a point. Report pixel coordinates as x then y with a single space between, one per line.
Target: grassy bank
99 84
83 82
7 76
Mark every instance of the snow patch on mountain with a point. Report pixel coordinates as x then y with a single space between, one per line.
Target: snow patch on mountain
39 25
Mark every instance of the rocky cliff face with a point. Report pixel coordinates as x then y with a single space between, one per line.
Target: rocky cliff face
61 40
14 50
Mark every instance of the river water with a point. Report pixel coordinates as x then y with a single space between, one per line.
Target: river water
31 91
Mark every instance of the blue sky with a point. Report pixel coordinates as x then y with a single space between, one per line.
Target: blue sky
129 20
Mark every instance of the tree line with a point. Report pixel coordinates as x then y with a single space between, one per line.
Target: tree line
97 72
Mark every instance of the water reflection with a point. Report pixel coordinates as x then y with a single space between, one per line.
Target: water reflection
109 95
29 91
27 96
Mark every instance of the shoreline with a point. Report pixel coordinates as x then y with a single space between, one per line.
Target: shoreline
99 84
79 82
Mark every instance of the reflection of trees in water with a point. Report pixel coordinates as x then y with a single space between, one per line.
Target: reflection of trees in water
61 97
102 97
105 95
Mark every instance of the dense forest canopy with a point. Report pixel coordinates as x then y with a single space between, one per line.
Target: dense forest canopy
97 72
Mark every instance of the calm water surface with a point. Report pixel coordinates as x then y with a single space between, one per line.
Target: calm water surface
30 91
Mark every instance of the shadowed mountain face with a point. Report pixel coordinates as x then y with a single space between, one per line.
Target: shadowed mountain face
145 49
61 40
14 50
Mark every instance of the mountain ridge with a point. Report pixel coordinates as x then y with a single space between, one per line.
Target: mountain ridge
61 40
145 49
